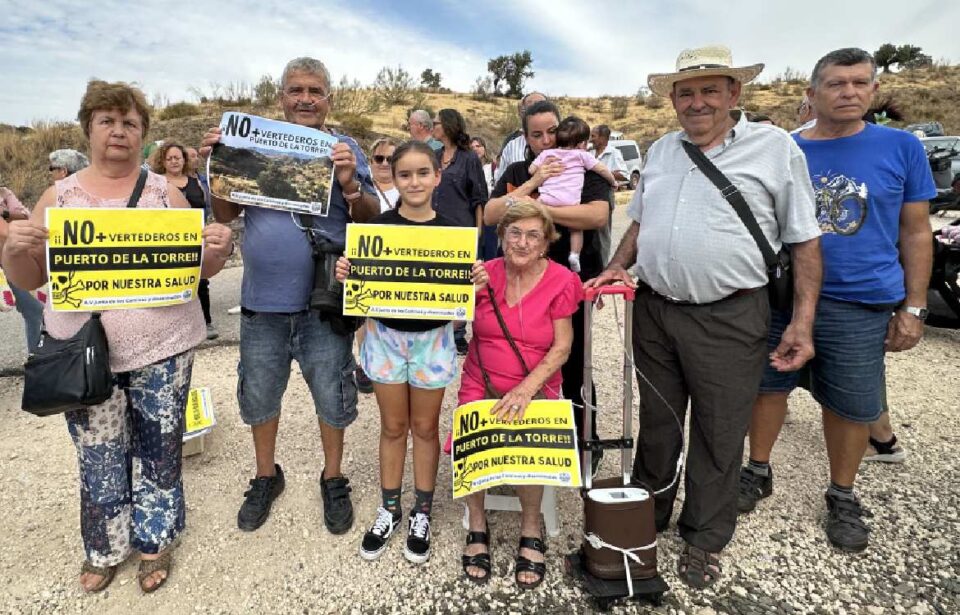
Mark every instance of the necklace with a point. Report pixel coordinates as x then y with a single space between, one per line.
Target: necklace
446 162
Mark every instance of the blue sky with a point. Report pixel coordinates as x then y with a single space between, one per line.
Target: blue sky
48 50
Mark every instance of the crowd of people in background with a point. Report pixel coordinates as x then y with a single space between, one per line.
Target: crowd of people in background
704 333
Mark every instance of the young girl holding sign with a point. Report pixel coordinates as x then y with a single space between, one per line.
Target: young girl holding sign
410 362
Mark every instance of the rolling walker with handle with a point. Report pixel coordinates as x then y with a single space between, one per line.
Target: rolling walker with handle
618 556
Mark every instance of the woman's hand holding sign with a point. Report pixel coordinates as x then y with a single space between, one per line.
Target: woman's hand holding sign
478 275
511 406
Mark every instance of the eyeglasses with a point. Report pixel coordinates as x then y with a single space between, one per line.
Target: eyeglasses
313 93
514 235
54 168
382 159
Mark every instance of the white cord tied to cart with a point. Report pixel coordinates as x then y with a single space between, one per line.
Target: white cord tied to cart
628 554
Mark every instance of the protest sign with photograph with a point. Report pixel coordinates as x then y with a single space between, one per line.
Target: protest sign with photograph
112 259
273 164
540 449
200 418
399 272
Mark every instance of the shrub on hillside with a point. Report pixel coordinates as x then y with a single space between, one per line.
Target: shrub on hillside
619 105
356 125
394 86
482 89
351 98
266 91
653 101
179 110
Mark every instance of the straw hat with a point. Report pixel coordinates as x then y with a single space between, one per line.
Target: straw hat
702 62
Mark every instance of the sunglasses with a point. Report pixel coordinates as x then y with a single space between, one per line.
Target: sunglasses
54 168
379 159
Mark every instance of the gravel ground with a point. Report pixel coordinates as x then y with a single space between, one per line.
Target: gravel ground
778 562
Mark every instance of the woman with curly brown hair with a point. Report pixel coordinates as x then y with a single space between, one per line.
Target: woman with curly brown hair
129 447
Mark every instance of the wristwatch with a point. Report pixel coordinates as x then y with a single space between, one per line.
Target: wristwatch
919 312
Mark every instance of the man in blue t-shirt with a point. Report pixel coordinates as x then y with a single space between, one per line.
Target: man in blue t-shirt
277 324
872 185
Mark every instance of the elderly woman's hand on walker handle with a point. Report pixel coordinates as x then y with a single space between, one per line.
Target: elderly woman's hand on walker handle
512 406
342 269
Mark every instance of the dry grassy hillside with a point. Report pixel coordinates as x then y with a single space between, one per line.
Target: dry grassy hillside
922 94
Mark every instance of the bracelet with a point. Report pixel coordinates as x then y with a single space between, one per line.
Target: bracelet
354 196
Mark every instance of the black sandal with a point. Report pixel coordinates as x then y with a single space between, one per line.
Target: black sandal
480 560
698 568
524 564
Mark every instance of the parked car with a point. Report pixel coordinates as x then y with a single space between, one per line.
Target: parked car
943 154
632 158
931 129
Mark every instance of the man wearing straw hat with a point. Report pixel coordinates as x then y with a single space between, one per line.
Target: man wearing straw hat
701 313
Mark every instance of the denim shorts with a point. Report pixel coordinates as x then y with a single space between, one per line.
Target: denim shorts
846 375
268 342
424 359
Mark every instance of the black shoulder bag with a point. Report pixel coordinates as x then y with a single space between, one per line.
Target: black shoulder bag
489 390
779 273
326 298
64 375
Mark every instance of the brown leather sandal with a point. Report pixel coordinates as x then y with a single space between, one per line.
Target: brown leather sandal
698 568
106 572
150 566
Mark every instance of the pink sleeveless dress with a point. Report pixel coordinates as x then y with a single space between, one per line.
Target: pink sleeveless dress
137 337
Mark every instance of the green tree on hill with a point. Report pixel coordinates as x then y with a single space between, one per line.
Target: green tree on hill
904 56
511 70
885 56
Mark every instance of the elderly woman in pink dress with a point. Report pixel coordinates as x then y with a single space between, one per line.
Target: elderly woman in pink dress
129 447
537 298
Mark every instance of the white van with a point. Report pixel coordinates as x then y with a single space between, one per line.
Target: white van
632 158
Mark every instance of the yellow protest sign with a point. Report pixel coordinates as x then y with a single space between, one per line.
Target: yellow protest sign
6 295
541 449
418 272
110 259
199 414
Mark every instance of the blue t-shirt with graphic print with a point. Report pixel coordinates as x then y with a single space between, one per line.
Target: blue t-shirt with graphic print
861 183
277 256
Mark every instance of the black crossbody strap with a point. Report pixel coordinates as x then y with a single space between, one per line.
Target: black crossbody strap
732 194
506 332
138 189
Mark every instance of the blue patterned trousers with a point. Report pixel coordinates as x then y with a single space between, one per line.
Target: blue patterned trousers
129 456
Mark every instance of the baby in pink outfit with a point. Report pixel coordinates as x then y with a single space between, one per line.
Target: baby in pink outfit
565 189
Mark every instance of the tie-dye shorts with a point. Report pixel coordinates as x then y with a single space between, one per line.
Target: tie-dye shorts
425 359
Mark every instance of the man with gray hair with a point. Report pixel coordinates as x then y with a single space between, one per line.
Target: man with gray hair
420 127
702 307
515 149
872 186
277 325
64 162
610 156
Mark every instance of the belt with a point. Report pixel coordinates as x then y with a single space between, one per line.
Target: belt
743 292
